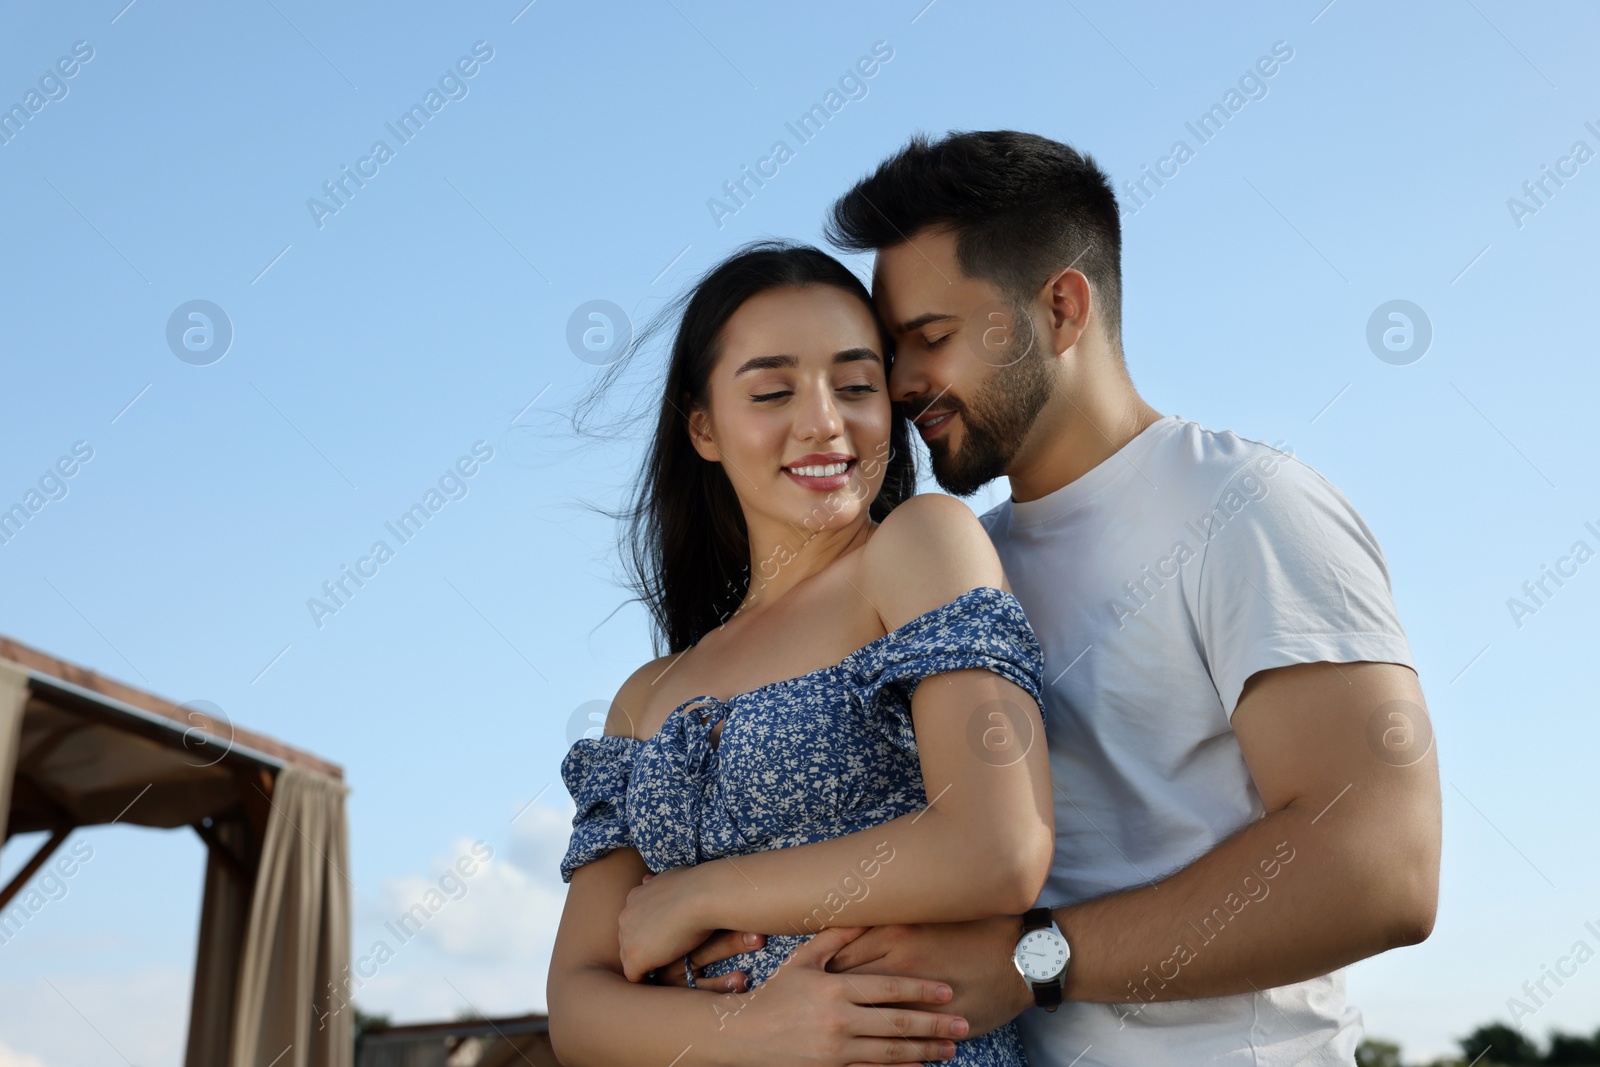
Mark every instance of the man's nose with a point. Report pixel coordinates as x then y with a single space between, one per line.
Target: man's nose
907 379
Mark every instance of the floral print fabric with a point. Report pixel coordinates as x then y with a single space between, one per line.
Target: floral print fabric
800 760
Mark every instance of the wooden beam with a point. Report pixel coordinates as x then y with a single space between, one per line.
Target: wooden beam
50 845
256 787
27 794
185 718
239 866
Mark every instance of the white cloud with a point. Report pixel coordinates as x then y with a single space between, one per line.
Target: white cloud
487 938
11 1058
506 910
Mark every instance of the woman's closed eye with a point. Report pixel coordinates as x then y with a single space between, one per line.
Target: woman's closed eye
858 390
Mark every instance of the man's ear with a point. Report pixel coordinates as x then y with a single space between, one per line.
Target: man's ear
1068 302
700 432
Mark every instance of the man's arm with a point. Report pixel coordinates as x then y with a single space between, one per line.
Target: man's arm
1344 865
1360 820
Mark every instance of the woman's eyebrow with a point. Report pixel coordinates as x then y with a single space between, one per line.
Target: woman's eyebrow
781 360
766 363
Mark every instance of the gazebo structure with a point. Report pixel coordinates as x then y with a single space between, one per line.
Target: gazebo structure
78 750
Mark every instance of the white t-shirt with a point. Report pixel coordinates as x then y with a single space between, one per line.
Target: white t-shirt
1158 582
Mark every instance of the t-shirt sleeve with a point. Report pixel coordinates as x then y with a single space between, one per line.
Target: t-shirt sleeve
1291 574
983 628
596 771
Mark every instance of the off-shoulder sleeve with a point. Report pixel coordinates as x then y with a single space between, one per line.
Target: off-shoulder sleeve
596 771
982 628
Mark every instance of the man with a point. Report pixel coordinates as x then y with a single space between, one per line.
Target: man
1247 795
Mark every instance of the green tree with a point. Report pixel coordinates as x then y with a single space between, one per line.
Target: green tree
1375 1053
1498 1043
364 1021
1572 1050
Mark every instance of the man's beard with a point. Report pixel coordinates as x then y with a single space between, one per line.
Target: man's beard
995 421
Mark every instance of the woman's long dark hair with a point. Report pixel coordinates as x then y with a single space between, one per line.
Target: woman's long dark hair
684 541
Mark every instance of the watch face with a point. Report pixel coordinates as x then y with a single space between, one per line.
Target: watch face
1041 955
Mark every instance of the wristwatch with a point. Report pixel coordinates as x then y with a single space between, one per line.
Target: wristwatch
1041 956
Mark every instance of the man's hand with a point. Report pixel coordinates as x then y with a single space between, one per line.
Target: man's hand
973 958
814 1017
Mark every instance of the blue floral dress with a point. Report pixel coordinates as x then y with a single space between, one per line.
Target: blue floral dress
801 760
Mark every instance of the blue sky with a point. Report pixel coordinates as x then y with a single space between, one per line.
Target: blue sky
374 346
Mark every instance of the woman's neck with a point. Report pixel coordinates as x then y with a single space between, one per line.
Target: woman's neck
783 556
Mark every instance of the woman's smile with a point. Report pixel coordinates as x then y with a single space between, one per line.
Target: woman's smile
821 471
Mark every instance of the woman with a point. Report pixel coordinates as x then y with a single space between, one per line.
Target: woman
817 747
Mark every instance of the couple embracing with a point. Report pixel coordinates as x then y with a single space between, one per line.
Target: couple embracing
1122 773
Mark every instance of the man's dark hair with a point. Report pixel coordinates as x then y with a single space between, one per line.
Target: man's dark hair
1021 207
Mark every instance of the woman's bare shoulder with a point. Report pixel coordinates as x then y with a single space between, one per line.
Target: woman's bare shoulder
627 716
926 552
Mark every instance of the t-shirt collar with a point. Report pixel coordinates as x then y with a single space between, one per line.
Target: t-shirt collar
1120 465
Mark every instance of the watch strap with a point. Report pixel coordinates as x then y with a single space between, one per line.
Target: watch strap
1046 995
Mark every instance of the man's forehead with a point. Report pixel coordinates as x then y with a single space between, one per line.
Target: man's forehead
917 280
928 251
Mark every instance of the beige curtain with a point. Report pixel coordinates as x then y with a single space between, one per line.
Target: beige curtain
297 946
224 916
13 699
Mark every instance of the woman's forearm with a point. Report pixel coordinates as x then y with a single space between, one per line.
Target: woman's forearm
981 847
935 865
598 1019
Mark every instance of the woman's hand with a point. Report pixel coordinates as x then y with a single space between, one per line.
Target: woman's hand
720 946
657 926
819 1018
